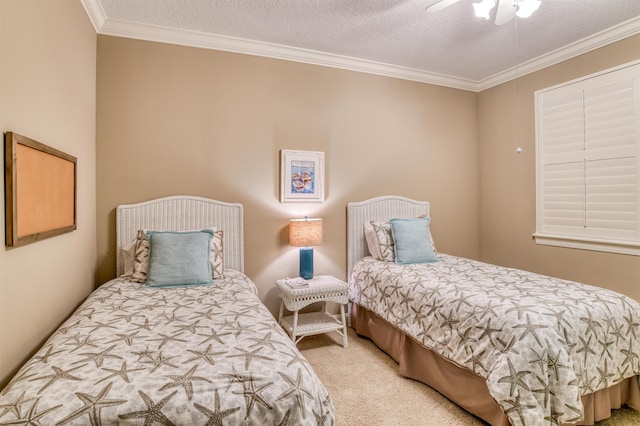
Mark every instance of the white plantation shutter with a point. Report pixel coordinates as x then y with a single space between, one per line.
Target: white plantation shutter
588 162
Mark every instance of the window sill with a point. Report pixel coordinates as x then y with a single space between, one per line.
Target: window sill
610 246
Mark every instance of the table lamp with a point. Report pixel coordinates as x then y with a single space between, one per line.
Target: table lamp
305 233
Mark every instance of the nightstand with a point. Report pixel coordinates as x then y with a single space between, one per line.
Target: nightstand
321 288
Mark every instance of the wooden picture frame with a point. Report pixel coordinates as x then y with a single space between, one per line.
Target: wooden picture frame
40 191
301 176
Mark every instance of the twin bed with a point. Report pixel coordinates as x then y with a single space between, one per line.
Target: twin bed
509 346
171 354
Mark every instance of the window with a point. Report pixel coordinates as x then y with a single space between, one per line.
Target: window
588 162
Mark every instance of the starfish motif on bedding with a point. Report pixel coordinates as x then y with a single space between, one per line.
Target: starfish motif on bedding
631 325
476 360
126 317
554 417
576 410
487 309
144 326
58 374
630 355
449 320
123 373
126 338
213 334
186 381
172 317
545 390
591 324
166 339
146 354
540 358
32 416
605 347
296 357
189 327
45 357
206 355
253 394
553 364
153 413
605 375
14 407
393 289
177 306
622 374
249 356
515 378
98 325
265 341
64 329
559 316
566 341
517 406
98 357
586 348
321 417
160 361
79 342
214 418
21 376
234 377
530 328
297 390
487 331
92 406
520 309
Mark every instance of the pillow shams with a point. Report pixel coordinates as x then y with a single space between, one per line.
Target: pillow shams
380 240
179 258
412 241
385 240
141 256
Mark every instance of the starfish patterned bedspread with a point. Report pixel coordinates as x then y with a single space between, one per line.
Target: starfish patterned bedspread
539 342
194 355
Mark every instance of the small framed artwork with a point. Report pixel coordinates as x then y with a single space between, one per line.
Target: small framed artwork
40 191
301 176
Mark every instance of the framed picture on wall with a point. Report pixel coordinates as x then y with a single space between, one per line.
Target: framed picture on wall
301 176
40 191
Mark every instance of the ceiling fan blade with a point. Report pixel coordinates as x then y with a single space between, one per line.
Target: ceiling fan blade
440 5
506 11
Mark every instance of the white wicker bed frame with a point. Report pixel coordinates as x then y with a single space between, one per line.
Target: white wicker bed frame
182 213
381 209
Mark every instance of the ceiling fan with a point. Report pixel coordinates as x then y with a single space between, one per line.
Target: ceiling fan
507 9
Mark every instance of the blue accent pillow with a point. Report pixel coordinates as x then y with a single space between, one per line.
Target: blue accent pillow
179 258
412 241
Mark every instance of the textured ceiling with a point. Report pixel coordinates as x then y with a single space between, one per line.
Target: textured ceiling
390 37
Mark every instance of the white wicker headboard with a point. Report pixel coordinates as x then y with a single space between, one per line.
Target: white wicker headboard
183 213
381 209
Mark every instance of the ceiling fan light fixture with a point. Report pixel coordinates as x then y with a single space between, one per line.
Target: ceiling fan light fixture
483 8
527 7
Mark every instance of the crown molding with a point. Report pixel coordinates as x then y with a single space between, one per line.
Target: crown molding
587 44
147 32
95 12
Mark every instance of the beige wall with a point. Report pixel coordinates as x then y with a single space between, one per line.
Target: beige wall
508 203
47 92
177 120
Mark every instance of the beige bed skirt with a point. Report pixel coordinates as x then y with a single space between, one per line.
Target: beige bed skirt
465 388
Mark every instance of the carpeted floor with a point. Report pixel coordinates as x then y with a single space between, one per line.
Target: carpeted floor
367 389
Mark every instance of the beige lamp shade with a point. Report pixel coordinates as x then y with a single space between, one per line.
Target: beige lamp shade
305 232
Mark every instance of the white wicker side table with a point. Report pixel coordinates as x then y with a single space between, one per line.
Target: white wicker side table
321 288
